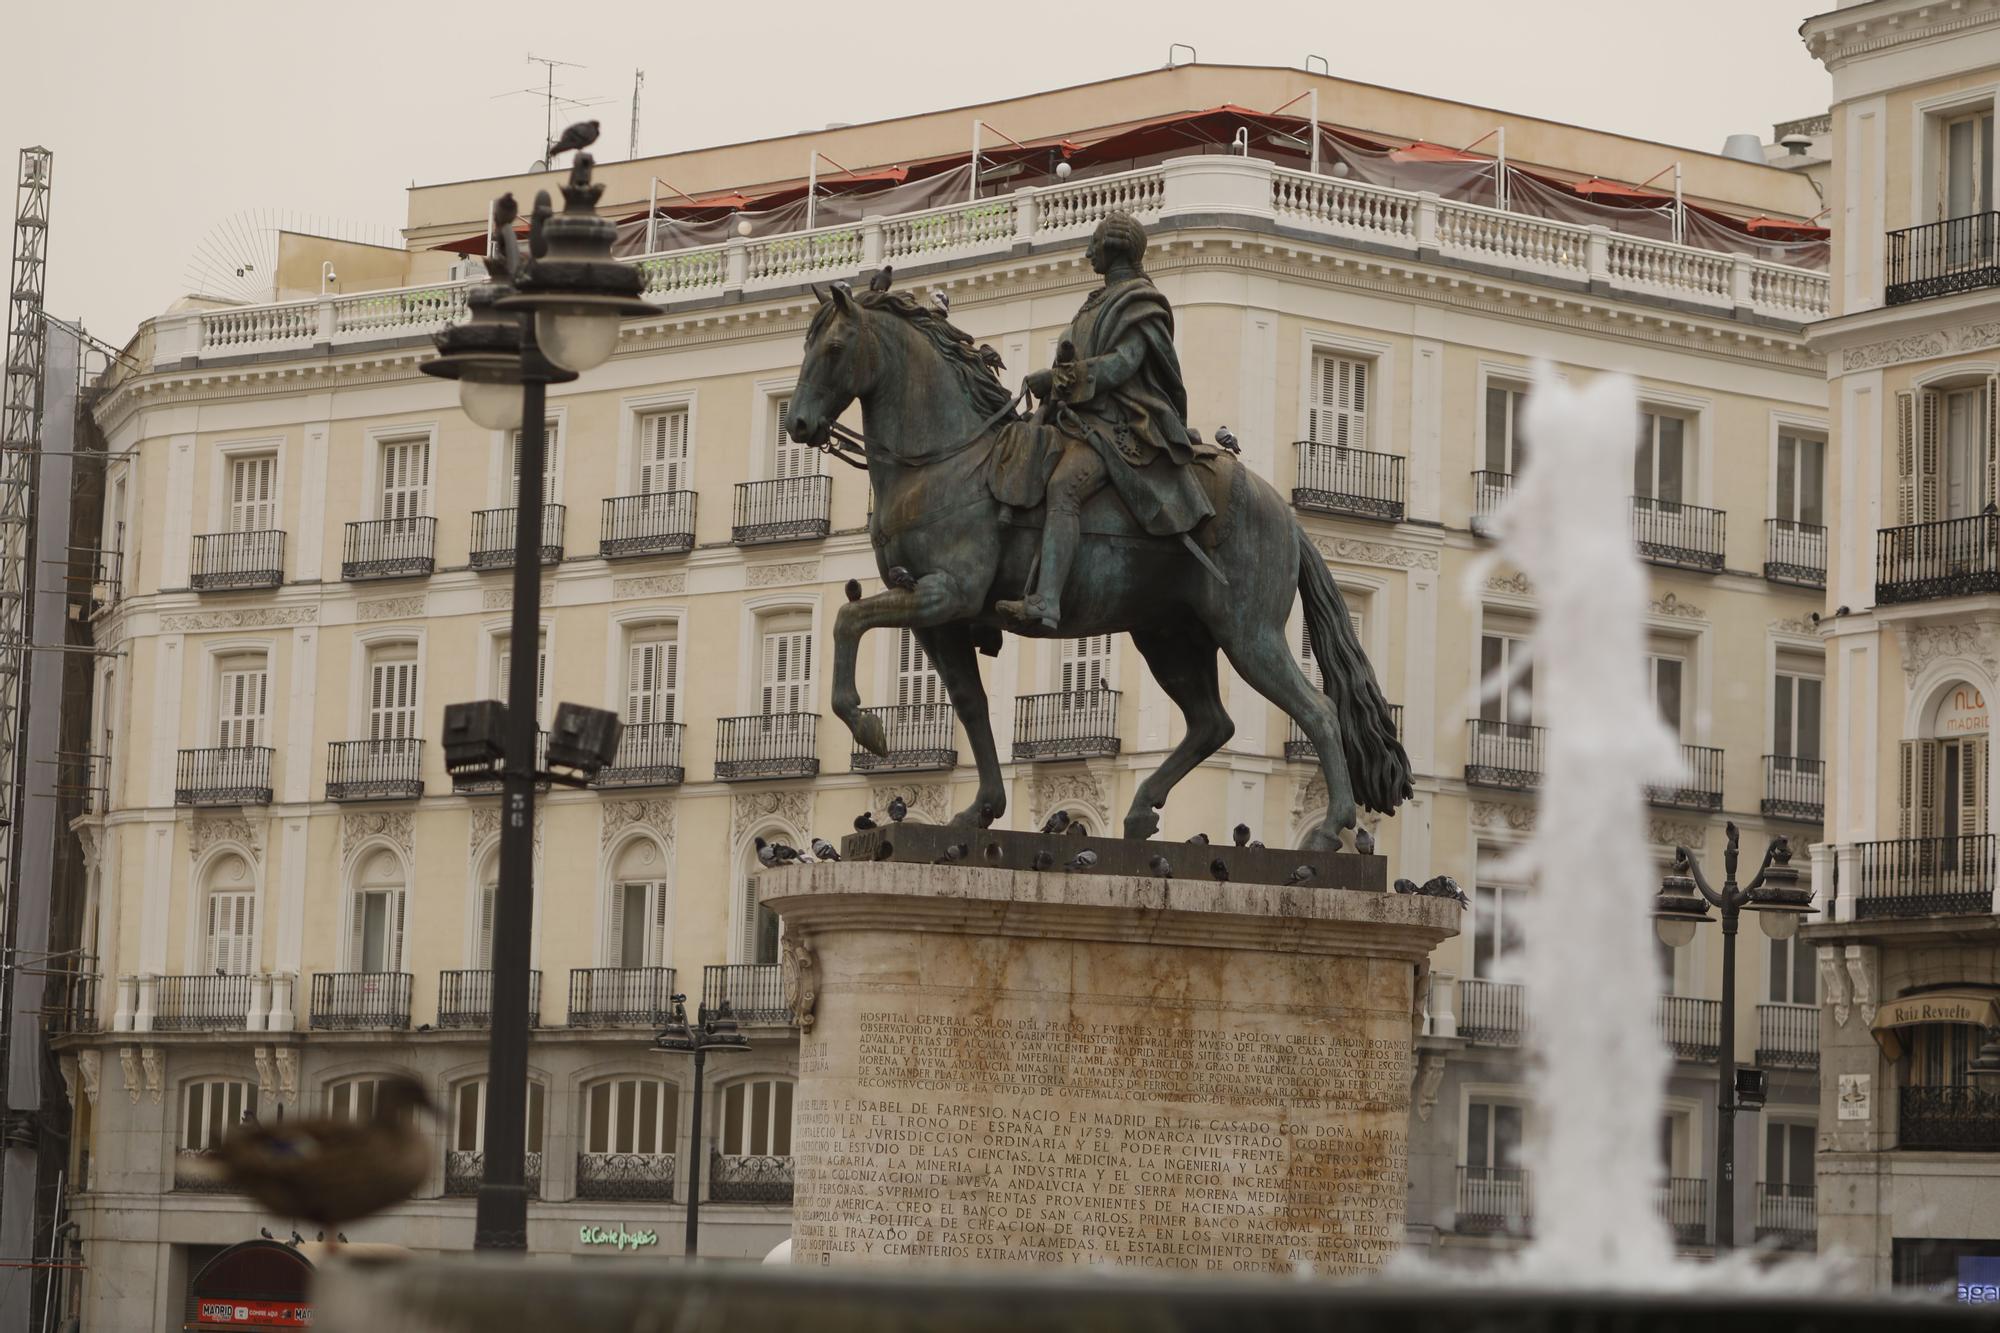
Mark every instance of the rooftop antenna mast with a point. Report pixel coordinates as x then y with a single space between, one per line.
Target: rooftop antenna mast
638 82
549 96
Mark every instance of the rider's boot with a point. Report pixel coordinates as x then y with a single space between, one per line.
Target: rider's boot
1061 530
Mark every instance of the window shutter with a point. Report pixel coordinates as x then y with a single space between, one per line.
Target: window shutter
1930 466
1917 803
230 918
641 682
1338 414
656 946
1991 469
753 894
242 707
916 679
392 957
789 458
551 453
1307 662
251 503
1084 662
663 452
1972 786
392 712
787 671
614 928
1906 456
406 478
670 682
357 936
486 898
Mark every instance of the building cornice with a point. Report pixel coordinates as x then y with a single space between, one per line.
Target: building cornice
1859 31
1897 334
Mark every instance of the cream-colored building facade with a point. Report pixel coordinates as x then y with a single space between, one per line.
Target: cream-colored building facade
1909 1162
294 524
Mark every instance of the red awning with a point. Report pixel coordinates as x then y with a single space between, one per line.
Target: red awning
1434 152
1598 186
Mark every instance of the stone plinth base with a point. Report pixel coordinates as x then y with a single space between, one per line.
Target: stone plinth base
999 1067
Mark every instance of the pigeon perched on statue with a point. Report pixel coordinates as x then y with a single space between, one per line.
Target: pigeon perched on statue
1240 835
580 135
1056 822
824 850
1443 886
853 590
884 850
1042 861
1299 875
1160 867
898 577
1083 860
864 821
992 853
898 807
775 853
1199 840
952 854
986 815
1077 830
1364 842
1218 870
1227 439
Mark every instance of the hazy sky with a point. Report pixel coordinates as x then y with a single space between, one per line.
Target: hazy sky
168 121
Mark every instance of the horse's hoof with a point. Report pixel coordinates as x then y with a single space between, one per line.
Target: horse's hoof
871 735
1320 840
1142 826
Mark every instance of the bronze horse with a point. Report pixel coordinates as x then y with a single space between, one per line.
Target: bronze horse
933 412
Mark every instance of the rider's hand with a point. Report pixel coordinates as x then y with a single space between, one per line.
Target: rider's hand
1041 382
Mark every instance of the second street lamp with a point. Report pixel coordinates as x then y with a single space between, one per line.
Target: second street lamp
712 1031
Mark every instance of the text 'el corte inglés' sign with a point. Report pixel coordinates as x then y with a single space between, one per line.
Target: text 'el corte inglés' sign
619 1239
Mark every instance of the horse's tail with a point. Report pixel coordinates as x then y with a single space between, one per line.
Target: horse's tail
1376 762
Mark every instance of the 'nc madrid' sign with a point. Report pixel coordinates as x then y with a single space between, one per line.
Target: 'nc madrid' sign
619 1239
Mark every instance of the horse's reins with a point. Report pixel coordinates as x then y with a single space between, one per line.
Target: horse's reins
850 445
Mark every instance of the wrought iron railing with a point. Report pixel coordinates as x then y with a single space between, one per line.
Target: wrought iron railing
389 548
1503 754
1333 479
1794 788
661 523
1489 491
920 736
625 1175
195 1173
224 775
69 1004
493 536
225 560
1700 789
1786 1216
1072 724
609 997
464 1170
1494 1200
1795 552
1691 1026
465 998
1960 1117
1683 536
1911 877
1788 1036
766 745
1492 1013
1939 258
354 1001
1300 747
649 755
488 784
755 992
1684 1203
201 1003
749 1179
375 770
787 509
1954 557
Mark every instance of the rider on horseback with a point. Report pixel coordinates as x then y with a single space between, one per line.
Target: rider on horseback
1117 404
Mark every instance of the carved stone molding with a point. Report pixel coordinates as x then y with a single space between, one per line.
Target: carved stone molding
1832 985
792 805
1673 833
89 1068
1799 626
1309 800
928 801
390 608
267 1074
485 824
1670 604
801 978
791 571
1354 552
208 831
90 840
1503 815
1924 644
154 1063
358 826
1054 791
1515 583
255 617
128 1065
1861 971
614 817
288 1072
651 585
1430 1074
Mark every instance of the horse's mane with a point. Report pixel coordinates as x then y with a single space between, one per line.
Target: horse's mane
975 366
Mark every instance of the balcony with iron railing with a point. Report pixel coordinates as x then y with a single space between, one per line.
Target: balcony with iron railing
1903 878
1795 552
1680 536
493 536
1794 788
766 745
639 1177
1507 755
1489 491
69 1002
921 737
1684 1205
465 998
1494 1200
1692 1027
1299 747
755 992
649 755
226 561
749 1178
360 1001
1786 1217
659 523
1067 724
223 775
1957 1117
1788 1036
389 548
205 1002
385 770
1700 787
784 509
1925 562
464 1170
618 997
1334 479
489 784
1941 258
1492 1013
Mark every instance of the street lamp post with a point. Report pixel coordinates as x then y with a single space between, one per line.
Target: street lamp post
1779 901
529 326
711 1031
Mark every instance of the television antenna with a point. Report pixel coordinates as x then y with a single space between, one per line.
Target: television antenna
551 99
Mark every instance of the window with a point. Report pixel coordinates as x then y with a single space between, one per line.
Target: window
1493 1136
211 1108
1506 442
1801 479
787 665
638 924
114 558
489 894
1507 680
1965 187
1792 979
916 679
1943 778
759 943
1947 450
1664 678
468 1121
1337 410
1356 619
375 934
789 458
503 669
1659 468
1496 926
1788 1156
551 464
232 917
1964 420
663 450
1795 711
242 688
1940 1054
406 478
354 1099
1085 664
631 1115
652 675
392 693
253 501
757 1119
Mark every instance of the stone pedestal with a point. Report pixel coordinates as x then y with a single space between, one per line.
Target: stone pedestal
1003 1067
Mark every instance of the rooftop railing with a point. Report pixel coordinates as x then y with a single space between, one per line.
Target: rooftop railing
389 548
226 561
1914 877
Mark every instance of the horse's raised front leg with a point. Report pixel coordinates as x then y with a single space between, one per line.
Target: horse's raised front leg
950 649
1265 660
937 599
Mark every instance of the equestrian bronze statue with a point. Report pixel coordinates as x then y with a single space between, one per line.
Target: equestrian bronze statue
1101 512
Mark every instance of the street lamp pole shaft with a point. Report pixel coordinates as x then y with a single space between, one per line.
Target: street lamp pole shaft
1725 1087
688 1246
501 1222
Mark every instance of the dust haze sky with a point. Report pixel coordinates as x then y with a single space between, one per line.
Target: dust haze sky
168 119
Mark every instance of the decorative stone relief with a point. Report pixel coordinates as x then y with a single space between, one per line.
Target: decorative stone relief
258 617
770 576
154 1063
1860 970
128 1065
1374 553
496 599
267 1074
288 1072
1430 1073
90 839
210 830
801 977
1053 791
1924 644
1799 626
1670 604
1921 346
792 805
652 585
1309 805
1515 583
1672 833
89 1067
390 608
358 826
928 801
614 817
485 824
1503 814
1832 985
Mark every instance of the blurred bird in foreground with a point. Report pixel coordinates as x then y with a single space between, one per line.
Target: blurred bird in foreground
854 590
952 855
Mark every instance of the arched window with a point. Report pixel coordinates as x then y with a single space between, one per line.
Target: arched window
211 1109
637 918
759 943
465 1153
375 929
753 1150
489 893
631 1127
354 1098
229 916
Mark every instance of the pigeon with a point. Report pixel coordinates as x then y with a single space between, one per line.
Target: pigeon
898 577
265 1232
1219 870
952 854
1199 840
1444 886
1227 439
1077 830
898 807
1240 835
1083 860
1056 822
1407 886
884 850
580 135
824 850
1160 867
992 853
1254 845
864 821
296 1239
1043 860
1364 842
854 590
942 301
767 855
321 1236
1299 875
883 276
986 815
340 1236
